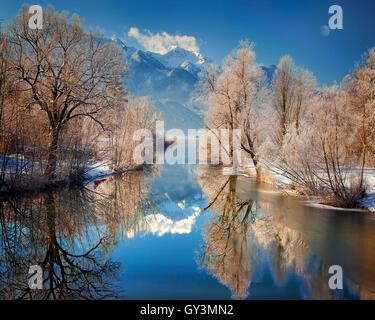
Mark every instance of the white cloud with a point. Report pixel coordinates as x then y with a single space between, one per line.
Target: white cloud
163 42
159 224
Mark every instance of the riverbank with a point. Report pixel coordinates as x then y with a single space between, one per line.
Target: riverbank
282 183
36 183
99 170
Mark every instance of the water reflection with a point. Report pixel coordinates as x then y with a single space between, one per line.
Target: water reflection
69 233
227 253
52 231
255 229
138 235
125 203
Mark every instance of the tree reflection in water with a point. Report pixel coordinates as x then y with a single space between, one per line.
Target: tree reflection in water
226 252
69 233
247 230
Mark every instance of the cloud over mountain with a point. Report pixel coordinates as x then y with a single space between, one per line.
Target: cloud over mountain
163 42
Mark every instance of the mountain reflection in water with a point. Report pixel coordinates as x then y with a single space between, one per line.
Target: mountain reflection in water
185 232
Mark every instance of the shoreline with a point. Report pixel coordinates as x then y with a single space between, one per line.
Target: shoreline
65 184
99 170
366 204
102 171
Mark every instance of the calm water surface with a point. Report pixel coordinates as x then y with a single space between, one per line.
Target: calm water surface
182 232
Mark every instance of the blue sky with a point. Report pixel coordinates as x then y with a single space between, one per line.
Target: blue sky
277 27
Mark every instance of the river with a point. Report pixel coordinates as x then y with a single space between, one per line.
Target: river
182 232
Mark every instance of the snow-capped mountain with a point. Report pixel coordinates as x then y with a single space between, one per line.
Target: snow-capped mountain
177 57
169 79
171 75
149 76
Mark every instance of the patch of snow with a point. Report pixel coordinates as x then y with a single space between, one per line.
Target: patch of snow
98 170
368 202
317 204
177 56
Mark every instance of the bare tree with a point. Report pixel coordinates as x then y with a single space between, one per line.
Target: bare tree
68 73
316 159
291 88
137 114
3 70
361 88
233 95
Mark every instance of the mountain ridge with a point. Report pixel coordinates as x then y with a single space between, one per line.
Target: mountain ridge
169 79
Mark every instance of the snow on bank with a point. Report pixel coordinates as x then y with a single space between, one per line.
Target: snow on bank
317 204
277 178
368 202
98 170
101 170
32 172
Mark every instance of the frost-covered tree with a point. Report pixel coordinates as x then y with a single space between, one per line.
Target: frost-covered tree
361 89
233 95
69 74
291 86
316 158
138 113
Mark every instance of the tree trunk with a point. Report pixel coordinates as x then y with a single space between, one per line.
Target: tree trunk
253 157
50 171
364 146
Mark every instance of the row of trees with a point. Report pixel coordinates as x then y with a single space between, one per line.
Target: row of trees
62 102
321 139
